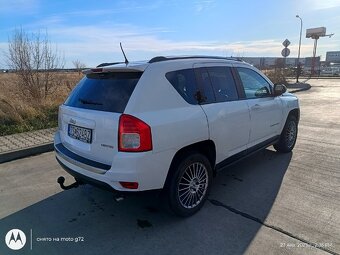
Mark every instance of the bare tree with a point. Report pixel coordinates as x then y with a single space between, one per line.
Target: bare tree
35 63
78 65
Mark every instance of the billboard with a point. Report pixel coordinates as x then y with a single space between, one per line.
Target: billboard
318 31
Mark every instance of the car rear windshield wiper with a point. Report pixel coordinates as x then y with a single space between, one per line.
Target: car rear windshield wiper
84 101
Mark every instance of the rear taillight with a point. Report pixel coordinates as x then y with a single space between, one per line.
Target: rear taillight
134 135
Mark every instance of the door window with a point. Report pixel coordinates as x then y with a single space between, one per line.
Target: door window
217 84
254 84
222 81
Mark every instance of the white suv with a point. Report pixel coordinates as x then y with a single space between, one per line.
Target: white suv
171 123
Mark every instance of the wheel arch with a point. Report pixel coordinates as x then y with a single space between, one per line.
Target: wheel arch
295 112
207 148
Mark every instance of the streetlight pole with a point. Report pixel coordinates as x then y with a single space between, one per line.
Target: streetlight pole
298 68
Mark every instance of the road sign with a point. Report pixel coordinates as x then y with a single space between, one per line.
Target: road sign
286 43
285 52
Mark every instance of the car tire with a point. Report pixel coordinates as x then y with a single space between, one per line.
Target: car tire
288 136
189 184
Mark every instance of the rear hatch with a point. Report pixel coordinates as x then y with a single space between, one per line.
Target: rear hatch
89 118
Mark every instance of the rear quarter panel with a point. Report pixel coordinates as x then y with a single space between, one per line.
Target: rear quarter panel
174 122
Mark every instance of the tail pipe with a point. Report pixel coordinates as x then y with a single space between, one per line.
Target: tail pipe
61 181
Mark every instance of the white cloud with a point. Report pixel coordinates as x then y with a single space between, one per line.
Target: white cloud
95 44
202 5
103 39
102 44
325 4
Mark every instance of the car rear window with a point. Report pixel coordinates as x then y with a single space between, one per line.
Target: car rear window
109 92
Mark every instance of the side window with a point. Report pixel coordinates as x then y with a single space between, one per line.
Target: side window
205 85
223 83
184 82
253 83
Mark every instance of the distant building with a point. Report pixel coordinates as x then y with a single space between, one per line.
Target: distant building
270 62
333 56
309 62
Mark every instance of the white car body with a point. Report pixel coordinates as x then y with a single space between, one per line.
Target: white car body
233 127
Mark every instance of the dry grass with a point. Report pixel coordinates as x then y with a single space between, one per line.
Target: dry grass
20 114
276 76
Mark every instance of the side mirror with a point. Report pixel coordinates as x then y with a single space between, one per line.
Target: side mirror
279 89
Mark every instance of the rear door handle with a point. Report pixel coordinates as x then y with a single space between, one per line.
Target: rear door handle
256 107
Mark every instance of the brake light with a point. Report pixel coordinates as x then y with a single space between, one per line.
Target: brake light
134 135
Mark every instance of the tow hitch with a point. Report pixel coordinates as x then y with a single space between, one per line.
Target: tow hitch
61 181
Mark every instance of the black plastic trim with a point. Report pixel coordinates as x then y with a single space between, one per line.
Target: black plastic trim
238 82
63 150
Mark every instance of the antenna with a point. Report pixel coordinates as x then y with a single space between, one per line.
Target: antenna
126 61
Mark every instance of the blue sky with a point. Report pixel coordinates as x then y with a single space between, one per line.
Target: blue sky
91 30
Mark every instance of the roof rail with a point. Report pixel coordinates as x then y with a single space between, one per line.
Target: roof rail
110 64
162 58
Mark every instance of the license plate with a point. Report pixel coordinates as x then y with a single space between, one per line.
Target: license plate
80 133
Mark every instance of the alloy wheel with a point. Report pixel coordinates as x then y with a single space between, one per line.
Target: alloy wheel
193 185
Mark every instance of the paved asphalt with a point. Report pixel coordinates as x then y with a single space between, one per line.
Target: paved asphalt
270 203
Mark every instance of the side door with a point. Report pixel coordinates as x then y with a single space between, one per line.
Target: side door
228 117
265 109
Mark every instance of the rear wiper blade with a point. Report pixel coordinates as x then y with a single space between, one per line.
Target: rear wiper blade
109 64
84 101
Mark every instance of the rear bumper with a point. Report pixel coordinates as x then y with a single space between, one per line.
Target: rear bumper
147 168
77 167
85 163
85 179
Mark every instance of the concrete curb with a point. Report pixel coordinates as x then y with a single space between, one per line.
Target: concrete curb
296 88
31 151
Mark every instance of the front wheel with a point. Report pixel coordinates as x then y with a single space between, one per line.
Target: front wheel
190 184
288 136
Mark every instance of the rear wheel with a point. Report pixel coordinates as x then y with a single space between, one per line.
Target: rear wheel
190 184
288 136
